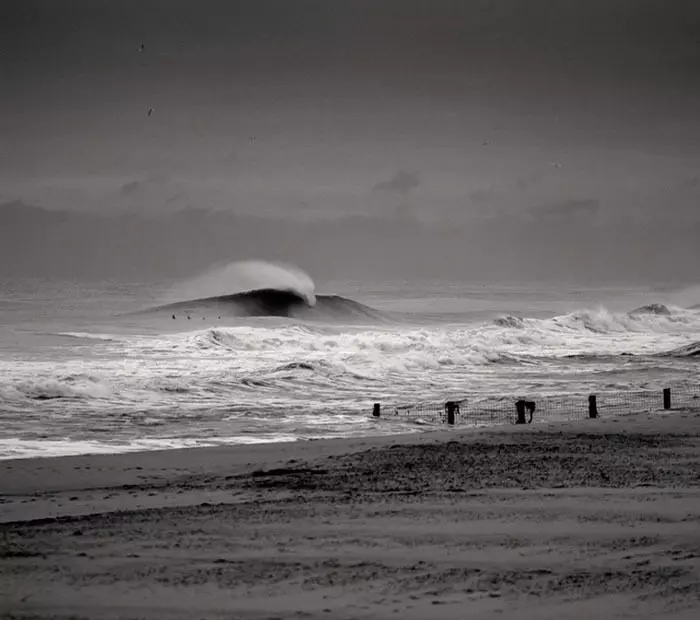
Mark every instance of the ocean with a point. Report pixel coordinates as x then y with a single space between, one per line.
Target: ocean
114 367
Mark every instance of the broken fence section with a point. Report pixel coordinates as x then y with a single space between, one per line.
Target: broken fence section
491 410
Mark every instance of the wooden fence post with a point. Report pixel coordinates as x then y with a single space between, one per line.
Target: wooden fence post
450 408
592 406
376 411
667 398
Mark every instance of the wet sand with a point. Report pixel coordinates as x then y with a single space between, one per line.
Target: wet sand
567 520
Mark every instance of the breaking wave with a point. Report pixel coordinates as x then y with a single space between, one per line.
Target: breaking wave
658 309
249 275
82 387
689 350
87 336
287 292
311 367
263 380
272 302
655 318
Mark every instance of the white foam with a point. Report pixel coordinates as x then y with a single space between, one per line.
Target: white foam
88 336
243 276
245 381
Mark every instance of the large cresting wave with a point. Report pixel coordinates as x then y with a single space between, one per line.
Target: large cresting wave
263 290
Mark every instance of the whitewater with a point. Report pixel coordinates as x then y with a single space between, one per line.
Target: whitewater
252 352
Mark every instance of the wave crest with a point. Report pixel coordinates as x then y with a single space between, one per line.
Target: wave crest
272 302
689 350
239 276
658 309
509 321
70 386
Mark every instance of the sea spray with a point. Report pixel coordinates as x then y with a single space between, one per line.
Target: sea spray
241 276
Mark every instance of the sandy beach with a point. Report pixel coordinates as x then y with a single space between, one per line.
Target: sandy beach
566 520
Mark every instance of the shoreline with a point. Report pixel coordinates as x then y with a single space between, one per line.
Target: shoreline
24 477
565 519
239 442
557 408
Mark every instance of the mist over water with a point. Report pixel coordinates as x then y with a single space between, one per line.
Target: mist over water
687 297
242 276
95 377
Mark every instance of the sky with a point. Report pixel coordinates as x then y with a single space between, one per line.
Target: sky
447 112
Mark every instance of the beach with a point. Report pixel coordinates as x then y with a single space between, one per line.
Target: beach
350 310
558 520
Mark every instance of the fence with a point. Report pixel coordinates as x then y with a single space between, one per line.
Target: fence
490 410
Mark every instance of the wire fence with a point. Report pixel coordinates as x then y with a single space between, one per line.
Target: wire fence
492 410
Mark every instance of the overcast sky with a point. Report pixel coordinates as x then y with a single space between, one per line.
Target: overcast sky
432 110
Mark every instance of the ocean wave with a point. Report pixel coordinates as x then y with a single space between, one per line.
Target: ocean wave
319 363
88 336
61 387
424 347
311 366
658 309
654 318
506 340
272 303
690 350
509 321
282 291
657 319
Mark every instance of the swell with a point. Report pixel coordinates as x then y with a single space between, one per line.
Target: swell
646 319
272 302
689 350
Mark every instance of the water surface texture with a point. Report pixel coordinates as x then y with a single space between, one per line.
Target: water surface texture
114 367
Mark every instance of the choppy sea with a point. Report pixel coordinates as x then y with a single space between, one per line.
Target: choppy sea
93 368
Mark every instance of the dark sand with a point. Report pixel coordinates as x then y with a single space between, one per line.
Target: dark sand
574 520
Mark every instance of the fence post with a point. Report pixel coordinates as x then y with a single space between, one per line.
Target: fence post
450 407
667 398
520 408
592 406
376 411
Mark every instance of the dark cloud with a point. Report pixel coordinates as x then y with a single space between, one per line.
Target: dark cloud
130 189
68 244
304 110
402 182
155 180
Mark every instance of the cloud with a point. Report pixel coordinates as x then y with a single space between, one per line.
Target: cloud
528 181
568 208
691 182
130 189
512 189
483 195
402 183
153 180
156 191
